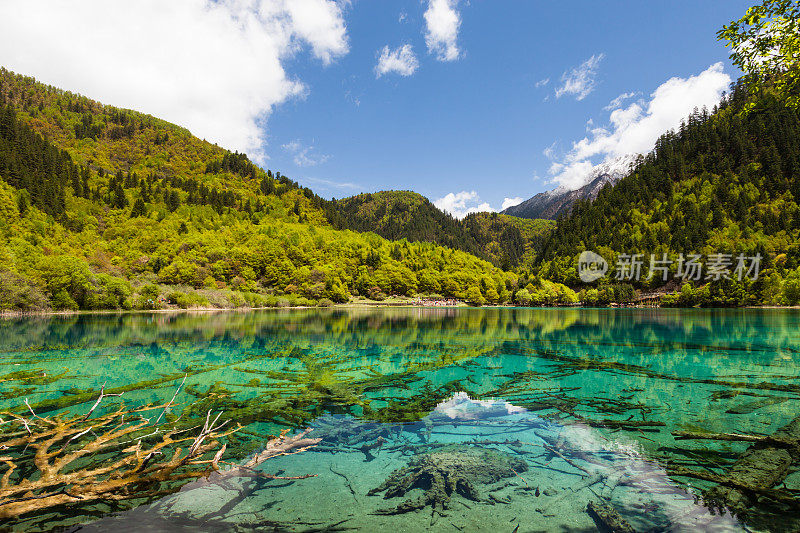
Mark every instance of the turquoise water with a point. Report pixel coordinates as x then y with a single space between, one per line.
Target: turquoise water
533 388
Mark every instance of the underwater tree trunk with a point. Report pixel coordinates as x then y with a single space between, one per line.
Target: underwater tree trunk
763 465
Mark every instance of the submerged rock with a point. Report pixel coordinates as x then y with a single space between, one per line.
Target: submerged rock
447 470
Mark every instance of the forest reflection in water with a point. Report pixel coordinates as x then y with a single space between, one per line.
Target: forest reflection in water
625 378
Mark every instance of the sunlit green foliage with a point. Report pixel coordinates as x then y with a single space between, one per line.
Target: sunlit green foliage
765 44
508 241
726 182
140 214
503 240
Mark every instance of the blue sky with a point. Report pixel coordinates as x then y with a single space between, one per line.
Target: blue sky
297 85
480 123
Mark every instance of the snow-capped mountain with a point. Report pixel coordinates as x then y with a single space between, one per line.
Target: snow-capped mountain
552 204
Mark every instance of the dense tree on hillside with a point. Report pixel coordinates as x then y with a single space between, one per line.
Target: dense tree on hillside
29 162
403 214
726 182
127 211
505 241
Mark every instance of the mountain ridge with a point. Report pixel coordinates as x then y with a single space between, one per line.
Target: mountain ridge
503 240
559 201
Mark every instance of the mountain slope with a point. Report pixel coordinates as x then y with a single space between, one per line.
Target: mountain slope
505 241
560 201
726 182
108 208
403 214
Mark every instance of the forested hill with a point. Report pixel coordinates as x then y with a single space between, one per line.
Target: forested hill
506 241
727 181
109 208
403 214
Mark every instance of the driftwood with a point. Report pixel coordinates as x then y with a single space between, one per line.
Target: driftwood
736 437
281 445
607 518
52 453
764 465
74 460
623 424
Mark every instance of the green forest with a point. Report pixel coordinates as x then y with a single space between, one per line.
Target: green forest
103 208
505 241
727 182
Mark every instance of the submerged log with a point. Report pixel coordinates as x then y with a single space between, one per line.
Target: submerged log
608 519
737 437
762 466
624 424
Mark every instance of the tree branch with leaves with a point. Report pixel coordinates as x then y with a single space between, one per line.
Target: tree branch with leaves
765 44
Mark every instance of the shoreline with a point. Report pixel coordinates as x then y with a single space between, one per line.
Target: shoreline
349 305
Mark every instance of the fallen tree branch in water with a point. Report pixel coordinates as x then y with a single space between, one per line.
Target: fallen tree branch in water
783 496
281 445
53 477
78 460
608 518
736 437
99 399
765 464
622 424
761 467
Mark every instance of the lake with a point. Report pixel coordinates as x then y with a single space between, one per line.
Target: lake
446 419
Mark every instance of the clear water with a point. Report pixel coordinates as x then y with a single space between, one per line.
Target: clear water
531 385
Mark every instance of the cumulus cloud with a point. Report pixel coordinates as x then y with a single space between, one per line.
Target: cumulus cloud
510 202
580 81
541 83
442 22
401 61
215 67
461 204
634 129
304 156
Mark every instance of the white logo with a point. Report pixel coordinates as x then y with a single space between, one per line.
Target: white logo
591 266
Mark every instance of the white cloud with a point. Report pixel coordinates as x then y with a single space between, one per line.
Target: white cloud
616 102
461 204
403 17
635 129
510 202
215 67
304 156
580 81
541 83
400 61
442 22
550 151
